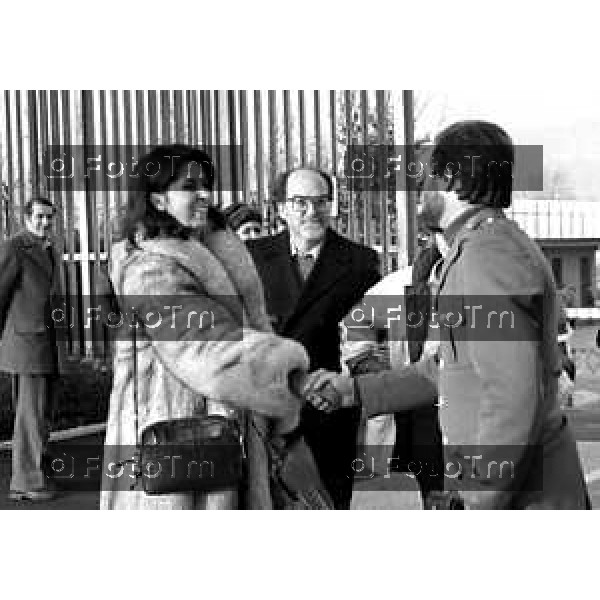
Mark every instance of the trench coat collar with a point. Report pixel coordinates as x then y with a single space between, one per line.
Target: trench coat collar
35 247
454 234
29 239
471 219
461 221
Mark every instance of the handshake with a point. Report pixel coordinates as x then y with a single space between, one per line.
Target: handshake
329 391
325 390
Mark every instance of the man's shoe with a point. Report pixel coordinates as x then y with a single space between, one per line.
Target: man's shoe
32 495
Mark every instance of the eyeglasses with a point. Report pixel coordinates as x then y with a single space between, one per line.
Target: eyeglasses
320 203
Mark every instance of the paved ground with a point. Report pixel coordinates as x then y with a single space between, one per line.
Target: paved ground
88 500
397 492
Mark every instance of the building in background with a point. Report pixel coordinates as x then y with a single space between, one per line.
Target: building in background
568 231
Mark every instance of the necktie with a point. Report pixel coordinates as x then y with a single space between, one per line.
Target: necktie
305 263
50 254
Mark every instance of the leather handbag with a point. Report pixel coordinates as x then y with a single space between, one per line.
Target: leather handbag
195 454
198 454
217 443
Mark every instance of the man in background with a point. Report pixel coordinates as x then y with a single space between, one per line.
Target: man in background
312 278
245 221
418 435
30 266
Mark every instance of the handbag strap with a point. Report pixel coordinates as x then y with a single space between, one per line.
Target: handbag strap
135 379
137 459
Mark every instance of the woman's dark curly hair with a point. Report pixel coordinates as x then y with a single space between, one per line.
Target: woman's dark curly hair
156 171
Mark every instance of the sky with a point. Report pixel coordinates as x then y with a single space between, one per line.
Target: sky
567 124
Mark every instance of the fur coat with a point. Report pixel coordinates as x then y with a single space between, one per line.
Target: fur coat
238 365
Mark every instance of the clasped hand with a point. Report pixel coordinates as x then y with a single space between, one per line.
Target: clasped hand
328 391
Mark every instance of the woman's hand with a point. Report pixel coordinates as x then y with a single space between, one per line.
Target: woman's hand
329 391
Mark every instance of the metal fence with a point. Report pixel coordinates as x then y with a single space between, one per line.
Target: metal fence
556 219
265 132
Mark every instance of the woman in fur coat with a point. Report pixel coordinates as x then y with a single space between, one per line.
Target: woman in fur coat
177 254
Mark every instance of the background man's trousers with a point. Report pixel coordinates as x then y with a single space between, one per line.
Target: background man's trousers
30 432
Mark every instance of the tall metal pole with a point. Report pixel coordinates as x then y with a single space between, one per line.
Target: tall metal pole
411 190
405 196
403 106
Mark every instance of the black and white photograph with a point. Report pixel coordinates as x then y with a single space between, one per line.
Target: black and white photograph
292 296
269 299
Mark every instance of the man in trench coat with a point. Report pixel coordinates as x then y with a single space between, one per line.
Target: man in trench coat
507 442
30 268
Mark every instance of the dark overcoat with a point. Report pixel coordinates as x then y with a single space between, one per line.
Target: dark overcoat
310 312
29 285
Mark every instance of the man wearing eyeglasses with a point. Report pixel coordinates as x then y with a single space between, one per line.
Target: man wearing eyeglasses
312 278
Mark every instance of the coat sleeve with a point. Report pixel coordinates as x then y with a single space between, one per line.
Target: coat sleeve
397 390
356 340
9 273
218 359
508 370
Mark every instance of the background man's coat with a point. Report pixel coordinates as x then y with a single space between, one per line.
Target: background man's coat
29 286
